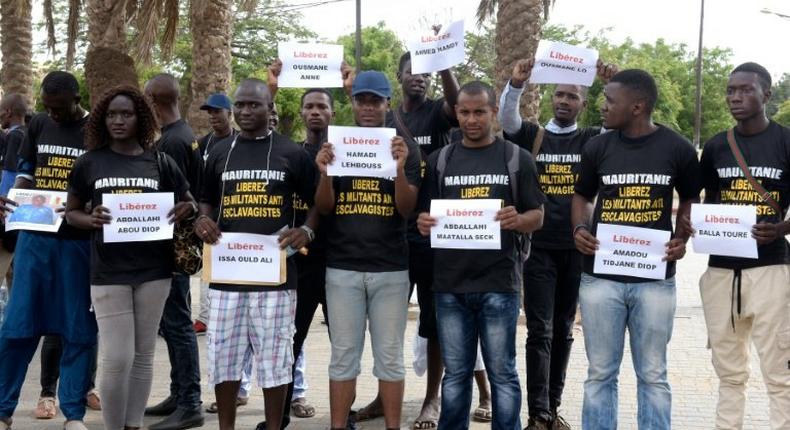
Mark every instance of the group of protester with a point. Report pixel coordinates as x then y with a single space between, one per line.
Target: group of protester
557 182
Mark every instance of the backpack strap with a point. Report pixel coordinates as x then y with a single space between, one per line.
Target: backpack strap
513 166
401 125
441 166
536 144
765 196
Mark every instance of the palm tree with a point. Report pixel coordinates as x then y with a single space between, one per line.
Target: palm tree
519 25
211 24
16 44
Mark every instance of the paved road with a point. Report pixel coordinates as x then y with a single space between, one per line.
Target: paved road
691 375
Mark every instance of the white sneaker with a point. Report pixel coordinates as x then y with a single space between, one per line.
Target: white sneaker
72 425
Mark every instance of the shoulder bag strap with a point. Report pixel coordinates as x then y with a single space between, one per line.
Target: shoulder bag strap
538 141
758 188
402 125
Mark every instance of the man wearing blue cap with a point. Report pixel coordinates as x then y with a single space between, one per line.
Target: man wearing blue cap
367 279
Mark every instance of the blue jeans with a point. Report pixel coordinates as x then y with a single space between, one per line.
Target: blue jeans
462 319
182 348
647 309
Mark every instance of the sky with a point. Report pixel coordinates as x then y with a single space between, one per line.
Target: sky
737 24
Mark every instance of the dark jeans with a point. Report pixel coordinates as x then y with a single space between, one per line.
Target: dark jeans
75 364
182 348
310 292
551 292
51 353
462 320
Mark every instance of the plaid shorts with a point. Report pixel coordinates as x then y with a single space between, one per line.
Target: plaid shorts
242 324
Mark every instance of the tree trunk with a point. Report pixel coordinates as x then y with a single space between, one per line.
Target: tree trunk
211 23
106 62
16 43
518 30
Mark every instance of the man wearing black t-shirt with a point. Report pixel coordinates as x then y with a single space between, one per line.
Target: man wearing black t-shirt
51 294
367 277
748 299
427 122
552 273
477 291
631 173
218 109
249 187
183 404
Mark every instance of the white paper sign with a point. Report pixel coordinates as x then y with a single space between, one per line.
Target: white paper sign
35 210
434 52
631 251
246 259
561 63
466 224
362 151
138 217
724 230
310 65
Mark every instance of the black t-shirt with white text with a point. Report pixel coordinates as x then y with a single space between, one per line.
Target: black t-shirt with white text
48 151
558 168
104 171
365 231
485 173
634 180
430 128
179 142
252 184
768 156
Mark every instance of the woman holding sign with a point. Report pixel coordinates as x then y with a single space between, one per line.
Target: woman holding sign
130 279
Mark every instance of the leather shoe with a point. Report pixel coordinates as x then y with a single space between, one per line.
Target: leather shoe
180 419
163 408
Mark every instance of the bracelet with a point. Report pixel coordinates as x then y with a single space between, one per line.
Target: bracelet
578 227
309 231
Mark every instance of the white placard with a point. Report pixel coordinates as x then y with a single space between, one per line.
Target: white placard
247 259
466 224
434 52
362 151
724 230
310 65
561 63
138 217
631 251
35 210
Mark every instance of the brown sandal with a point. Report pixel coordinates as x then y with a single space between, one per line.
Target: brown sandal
46 409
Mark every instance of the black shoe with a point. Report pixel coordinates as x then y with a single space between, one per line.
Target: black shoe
262 425
180 419
163 408
538 424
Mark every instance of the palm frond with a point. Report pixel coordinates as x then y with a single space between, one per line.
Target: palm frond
131 10
49 21
248 6
72 31
147 30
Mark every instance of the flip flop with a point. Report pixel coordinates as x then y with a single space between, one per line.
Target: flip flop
365 414
240 401
424 424
302 409
46 409
482 415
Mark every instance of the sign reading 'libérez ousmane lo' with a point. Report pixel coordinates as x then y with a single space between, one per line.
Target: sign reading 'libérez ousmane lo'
561 63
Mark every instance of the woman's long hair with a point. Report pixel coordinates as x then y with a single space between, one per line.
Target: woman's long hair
96 134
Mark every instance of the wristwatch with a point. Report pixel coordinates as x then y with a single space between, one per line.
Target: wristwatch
309 231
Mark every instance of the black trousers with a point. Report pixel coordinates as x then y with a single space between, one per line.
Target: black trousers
51 350
310 293
551 293
182 348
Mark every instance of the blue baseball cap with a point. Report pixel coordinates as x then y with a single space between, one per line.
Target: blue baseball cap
217 101
373 82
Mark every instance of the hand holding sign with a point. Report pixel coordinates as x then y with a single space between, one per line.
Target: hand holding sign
100 216
561 63
433 52
324 158
463 224
724 230
633 251
400 151
136 217
521 72
308 65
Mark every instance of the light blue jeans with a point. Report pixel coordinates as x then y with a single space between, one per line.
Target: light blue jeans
356 299
647 310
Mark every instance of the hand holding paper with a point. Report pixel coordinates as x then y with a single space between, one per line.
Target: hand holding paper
308 65
521 71
432 52
725 230
561 63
